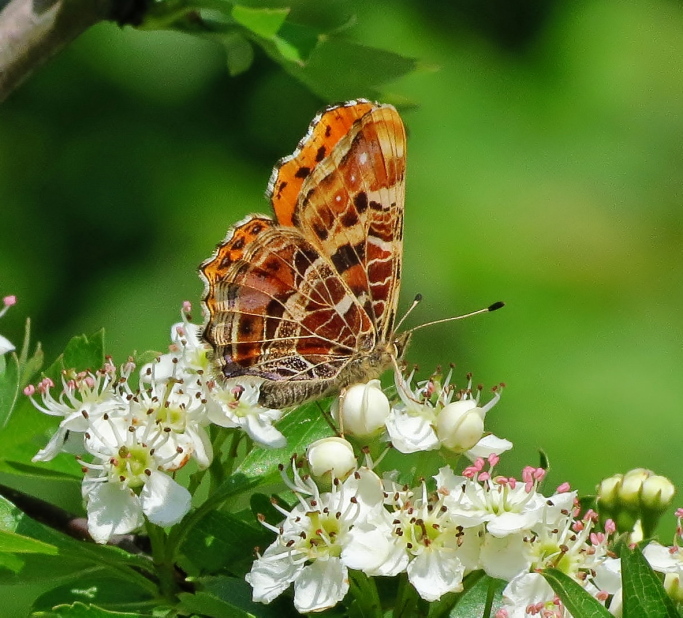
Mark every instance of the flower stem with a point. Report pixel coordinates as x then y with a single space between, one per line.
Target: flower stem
164 567
365 595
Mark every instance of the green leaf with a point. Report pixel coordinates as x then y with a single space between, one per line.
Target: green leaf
239 52
222 540
104 592
482 596
574 596
338 69
79 610
19 544
9 385
227 597
301 427
84 352
643 593
295 42
262 22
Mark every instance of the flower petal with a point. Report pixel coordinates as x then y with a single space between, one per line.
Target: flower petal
320 586
112 509
164 501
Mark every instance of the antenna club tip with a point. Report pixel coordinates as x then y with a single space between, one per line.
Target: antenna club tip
497 305
418 298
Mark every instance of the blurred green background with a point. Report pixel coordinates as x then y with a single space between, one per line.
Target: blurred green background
544 169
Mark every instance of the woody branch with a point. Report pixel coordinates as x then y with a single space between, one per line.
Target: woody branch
32 31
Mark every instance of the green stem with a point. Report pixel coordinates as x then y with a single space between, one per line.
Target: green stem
163 561
406 599
364 591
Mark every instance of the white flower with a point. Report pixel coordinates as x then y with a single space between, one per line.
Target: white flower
5 344
440 551
124 480
562 544
84 399
506 506
236 405
411 424
310 541
427 419
362 409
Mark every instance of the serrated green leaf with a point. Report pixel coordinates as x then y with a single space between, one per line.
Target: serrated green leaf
9 385
84 352
574 596
79 610
221 540
301 427
643 593
262 22
19 544
104 593
239 53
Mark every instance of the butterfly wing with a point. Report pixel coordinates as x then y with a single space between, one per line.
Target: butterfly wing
292 301
350 202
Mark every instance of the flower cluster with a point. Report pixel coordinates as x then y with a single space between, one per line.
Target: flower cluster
429 416
129 439
435 533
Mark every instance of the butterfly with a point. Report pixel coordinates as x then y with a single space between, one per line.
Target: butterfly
305 302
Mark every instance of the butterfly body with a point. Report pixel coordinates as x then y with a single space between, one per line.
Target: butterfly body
305 303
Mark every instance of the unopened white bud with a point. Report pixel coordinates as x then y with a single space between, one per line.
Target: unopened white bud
460 425
331 458
363 408
657 493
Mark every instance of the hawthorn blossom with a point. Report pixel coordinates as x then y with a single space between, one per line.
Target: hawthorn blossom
427 419
571 546
125 479
85 397
237 405
308 549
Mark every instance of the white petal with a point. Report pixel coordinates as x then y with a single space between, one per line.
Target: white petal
661 559
260 430
511 523
5 345
112 509
410 434
524 590
371 548
504 558
53 447
272 573
434 573
203 450
488 445
320 585
164 501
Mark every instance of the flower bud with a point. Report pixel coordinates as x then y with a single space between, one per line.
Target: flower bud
657 493
362 409
673 587
635 499
331 458
460 425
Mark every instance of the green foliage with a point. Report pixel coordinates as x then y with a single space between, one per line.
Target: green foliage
577 600
644 595
309 49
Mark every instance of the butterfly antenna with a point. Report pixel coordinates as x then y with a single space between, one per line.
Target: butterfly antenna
492 307
416 301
